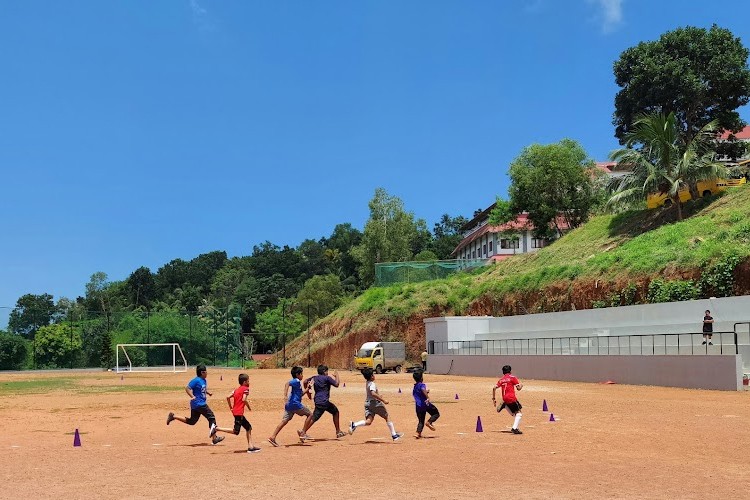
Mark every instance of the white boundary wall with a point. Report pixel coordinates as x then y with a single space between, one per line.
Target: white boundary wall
673 317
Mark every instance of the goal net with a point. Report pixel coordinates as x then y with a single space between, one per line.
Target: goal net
157 358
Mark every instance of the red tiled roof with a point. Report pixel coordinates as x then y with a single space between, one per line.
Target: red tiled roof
743 134
606 166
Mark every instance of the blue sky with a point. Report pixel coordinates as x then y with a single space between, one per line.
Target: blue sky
136 132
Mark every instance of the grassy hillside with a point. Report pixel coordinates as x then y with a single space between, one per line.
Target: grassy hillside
611 260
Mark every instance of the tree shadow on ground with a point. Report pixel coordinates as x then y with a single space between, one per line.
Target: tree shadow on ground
636 222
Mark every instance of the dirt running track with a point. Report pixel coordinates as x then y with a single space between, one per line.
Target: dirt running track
610 441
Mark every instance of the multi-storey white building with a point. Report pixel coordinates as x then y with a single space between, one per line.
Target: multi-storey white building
485 241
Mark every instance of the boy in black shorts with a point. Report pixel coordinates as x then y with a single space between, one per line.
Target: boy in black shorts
322 384
237 402
508 385
197 389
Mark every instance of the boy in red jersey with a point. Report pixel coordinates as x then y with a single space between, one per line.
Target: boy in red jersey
508 384
237 402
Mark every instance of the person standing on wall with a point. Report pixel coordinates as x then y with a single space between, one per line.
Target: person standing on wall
708 328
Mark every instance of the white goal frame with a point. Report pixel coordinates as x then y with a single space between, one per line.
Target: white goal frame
177 367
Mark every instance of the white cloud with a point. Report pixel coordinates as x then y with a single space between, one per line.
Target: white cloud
610 14
201 17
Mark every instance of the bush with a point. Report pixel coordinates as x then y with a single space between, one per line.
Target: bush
673 291
13 350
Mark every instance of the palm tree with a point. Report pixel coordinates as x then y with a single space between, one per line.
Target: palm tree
664 162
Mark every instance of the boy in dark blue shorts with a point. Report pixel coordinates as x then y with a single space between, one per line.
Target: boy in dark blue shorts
197 390
322 384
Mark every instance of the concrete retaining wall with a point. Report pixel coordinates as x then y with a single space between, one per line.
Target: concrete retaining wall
694 372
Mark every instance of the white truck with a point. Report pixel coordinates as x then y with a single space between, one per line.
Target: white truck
381 356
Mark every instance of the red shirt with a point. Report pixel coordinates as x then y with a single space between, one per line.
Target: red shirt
239 405
507 385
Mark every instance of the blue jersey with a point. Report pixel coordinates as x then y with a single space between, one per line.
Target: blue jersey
295 398
419 397
198 386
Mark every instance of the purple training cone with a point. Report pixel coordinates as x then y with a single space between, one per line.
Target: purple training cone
479 425
77 439
544 405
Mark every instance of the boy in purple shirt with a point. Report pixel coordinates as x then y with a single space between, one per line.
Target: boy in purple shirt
322 384
422 399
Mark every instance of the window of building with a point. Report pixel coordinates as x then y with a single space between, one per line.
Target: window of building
490 247
509 243
485 249
537 243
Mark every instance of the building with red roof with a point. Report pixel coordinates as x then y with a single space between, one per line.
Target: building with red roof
484 241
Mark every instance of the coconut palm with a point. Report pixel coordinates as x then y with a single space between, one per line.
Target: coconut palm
663 162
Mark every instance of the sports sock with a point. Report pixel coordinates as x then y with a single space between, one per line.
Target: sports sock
360 423
392 428
517 421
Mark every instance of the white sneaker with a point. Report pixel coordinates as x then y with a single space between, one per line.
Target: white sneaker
352 428
396 436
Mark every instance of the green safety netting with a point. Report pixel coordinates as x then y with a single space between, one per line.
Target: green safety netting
388 273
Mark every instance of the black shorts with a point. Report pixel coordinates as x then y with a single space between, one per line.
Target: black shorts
195 414
325 407
241 421
514 407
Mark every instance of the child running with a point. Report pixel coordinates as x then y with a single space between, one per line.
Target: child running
422 399
197 390
294 404
508 385
374 405
322 384
237 401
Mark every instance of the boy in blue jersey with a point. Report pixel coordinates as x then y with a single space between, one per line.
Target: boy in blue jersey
293 404
197 390
423 404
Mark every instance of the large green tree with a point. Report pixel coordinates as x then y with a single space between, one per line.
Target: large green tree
31 313
12 351
699 75
338 254
553 183
659 160
141 287
320 296
389 235
58 346
446 235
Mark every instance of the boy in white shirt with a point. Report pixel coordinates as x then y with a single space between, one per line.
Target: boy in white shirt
374 405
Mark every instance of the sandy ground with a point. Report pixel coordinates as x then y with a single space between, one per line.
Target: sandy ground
609 441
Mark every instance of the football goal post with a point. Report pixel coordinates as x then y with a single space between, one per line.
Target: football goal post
155 358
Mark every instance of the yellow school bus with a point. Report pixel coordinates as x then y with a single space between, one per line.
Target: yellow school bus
705 188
